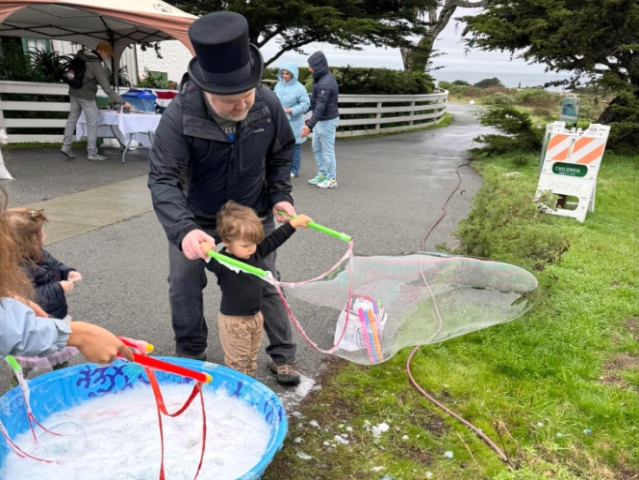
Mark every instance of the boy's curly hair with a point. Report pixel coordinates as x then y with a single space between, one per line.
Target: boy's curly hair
237 222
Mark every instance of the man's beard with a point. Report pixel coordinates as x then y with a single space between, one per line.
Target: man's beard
238 117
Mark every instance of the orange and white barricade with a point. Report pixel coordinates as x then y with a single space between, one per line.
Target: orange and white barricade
571 162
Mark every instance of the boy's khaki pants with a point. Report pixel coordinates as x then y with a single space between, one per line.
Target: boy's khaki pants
241 338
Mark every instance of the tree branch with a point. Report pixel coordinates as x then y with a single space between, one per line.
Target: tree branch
466 4
288 48
269 37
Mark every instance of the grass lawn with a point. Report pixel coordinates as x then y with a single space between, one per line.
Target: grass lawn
558 389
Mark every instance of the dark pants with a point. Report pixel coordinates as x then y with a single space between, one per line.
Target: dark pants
297 159
187 279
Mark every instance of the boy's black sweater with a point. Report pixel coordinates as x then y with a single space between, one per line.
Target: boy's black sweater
242 292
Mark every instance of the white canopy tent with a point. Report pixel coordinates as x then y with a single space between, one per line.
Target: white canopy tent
89 22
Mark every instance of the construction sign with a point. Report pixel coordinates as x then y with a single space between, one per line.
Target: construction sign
570 165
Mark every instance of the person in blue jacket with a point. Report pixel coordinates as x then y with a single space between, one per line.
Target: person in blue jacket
293 97
324 121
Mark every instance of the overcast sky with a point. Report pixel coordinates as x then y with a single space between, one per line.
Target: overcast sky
449 42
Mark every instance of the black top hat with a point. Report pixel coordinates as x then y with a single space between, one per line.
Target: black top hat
225 62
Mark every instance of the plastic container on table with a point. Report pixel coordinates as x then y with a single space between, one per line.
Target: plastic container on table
102 102
67 388
141 100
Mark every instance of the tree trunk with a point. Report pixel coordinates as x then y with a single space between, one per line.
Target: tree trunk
417 58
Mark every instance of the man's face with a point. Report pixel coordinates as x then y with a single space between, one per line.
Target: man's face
232 107
310 69
104 55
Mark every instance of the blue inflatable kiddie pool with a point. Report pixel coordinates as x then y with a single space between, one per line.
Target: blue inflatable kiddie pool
67 388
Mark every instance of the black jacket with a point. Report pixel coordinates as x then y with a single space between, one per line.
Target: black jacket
325 91
195 169
242 292
46 277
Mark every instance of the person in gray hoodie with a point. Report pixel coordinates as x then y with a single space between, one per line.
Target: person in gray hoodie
324 121
83 100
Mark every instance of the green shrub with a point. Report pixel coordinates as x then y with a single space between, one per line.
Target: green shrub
473 92
370 81
533 97
498 98
445 85
517 128
545 114
462 83
457 90
489 82
506 224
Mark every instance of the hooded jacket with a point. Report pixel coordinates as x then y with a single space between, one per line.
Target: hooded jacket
325 91
46 277
195 168
93 76
292 94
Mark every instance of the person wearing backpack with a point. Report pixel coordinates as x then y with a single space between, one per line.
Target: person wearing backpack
83 75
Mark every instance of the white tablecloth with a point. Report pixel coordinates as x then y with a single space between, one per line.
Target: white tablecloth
125 126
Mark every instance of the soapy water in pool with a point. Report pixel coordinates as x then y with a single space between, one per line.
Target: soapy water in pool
116 437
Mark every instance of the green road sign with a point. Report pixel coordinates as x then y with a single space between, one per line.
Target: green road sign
569 169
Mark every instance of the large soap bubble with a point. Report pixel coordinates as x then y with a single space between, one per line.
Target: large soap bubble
375 306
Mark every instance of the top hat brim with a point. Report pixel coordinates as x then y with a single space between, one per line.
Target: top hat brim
195 74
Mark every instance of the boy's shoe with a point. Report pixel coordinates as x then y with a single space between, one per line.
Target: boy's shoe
328 183
286 374
316 180
68 153
192 356
97 158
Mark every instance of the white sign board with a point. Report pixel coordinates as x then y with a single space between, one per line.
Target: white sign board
571 162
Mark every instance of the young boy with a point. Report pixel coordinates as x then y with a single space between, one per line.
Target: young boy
240 320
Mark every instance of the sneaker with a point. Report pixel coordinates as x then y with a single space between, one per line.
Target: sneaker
197 356
328 183
293 175
286 374
97 158
316 180
68 153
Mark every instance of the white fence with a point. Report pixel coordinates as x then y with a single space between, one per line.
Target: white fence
374 114
359 114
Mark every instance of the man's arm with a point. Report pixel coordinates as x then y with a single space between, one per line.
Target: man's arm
279 159
103 81
168 162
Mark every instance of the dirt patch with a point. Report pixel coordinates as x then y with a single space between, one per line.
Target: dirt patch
418 455
632 324
612 367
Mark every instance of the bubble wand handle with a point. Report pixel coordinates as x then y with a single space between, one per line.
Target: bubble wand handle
156 364
140 345
13 363
323 229
236 263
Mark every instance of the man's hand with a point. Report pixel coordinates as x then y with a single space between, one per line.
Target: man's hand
74 277
191 244
305 131
127 105
286 207
97 344
288 110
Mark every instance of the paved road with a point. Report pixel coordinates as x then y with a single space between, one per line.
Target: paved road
390 191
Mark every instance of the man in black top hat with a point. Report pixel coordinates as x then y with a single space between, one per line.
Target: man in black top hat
222 138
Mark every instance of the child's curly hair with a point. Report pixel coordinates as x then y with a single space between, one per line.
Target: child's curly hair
13 281
237 222
26 228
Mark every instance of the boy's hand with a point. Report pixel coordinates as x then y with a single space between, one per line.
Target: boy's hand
67 286
74 277
206 247
301 221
